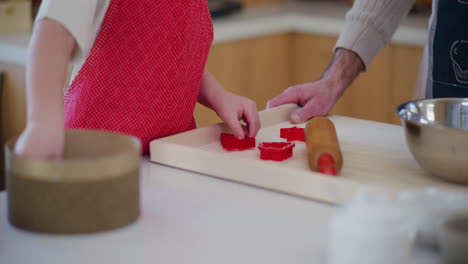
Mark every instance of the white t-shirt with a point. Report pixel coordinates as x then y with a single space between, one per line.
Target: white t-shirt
82 18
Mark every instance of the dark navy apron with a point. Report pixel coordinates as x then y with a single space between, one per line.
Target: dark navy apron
450 50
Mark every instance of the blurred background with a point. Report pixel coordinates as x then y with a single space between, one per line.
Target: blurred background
261 47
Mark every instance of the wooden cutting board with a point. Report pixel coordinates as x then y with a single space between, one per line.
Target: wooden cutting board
374 153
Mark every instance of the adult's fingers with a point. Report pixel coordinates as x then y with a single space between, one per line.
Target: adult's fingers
309 110
291 95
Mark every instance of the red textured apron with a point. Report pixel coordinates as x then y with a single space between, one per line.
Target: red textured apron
143 74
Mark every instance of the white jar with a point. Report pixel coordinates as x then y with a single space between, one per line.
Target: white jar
428 208
370 229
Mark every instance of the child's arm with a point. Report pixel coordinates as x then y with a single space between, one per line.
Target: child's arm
49 54
230 108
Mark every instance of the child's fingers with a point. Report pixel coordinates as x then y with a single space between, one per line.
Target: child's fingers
245 128
235 126
253 120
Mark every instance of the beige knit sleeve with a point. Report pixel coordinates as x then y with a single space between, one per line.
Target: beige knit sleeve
370 25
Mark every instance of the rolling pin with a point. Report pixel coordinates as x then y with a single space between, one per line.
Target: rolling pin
323 149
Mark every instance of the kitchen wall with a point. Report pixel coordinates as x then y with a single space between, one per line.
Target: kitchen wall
254 2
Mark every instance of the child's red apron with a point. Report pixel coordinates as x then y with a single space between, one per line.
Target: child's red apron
143 74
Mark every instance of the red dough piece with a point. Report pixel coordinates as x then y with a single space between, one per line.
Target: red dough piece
293 134
326 164
231 143
277 151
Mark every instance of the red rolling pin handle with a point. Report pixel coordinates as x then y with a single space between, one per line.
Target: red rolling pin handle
323 150
326 164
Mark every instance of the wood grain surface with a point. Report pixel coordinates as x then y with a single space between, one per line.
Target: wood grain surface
374 154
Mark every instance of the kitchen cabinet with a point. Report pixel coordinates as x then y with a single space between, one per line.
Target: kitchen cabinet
13 100
260 68
12 105
2 157
405 69
254 2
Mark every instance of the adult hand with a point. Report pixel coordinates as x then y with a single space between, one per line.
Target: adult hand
317 98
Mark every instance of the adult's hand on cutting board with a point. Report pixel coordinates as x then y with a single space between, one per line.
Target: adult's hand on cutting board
38 142
317 98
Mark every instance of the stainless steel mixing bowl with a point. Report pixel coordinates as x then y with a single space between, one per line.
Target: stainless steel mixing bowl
437 135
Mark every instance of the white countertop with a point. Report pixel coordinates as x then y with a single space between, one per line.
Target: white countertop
191 218
326 18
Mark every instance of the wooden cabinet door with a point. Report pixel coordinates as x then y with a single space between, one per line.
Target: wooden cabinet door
2 156
13 107
255 2
13 100
310 55
406 61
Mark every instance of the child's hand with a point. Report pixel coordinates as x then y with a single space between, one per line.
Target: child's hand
51 49
232 108
41 143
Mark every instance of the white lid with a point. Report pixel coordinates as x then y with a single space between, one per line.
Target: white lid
372 211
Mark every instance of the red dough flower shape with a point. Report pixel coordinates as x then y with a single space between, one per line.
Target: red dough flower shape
293 134
231 143
277 151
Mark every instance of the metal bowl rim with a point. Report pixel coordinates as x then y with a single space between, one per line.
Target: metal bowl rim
435 126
